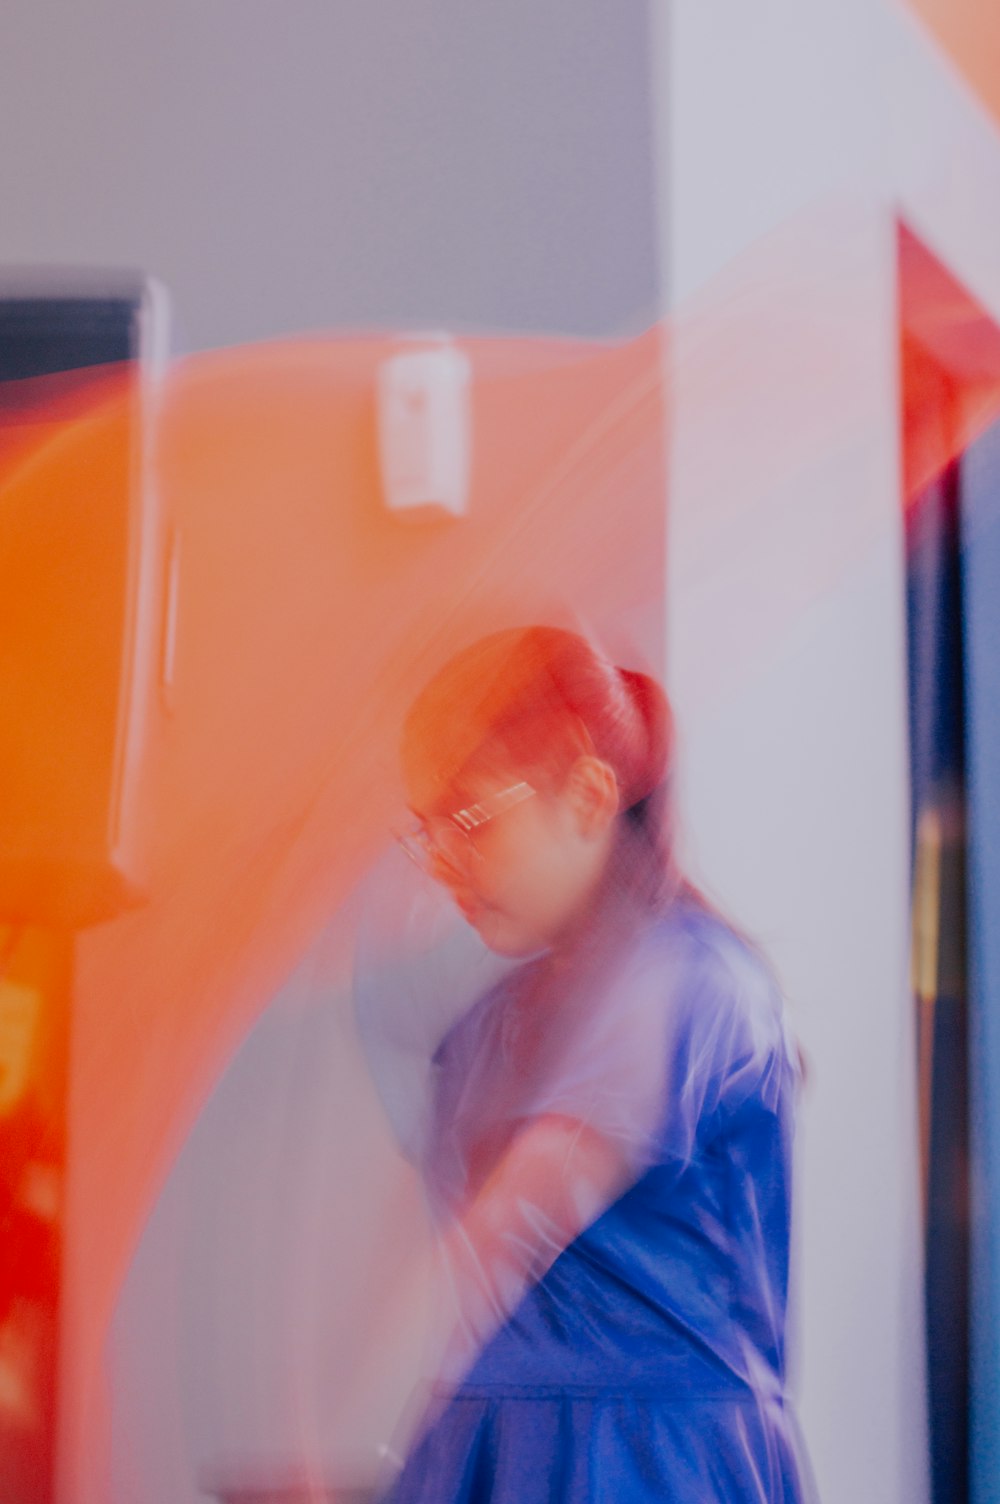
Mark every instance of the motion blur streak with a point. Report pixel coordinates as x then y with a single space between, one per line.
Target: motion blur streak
306 617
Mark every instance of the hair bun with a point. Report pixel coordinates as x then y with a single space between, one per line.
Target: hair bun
653 711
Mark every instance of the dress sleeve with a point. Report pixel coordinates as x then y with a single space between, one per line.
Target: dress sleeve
688 1031
733 1049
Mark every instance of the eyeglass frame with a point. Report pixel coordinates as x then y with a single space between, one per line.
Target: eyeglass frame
420 845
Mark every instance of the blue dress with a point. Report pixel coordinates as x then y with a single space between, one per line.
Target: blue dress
648 1362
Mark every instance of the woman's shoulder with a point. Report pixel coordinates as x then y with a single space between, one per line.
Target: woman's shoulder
725 1010
715 976
691 931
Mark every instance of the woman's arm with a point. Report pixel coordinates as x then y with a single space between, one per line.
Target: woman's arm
556 1177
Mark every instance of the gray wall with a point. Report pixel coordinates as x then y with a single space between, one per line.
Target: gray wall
285 165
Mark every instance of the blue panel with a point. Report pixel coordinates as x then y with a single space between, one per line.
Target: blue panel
981 557
937 752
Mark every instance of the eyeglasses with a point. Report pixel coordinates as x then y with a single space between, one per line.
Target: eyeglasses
449 837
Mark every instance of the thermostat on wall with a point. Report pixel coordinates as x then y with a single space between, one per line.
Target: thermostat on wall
424 423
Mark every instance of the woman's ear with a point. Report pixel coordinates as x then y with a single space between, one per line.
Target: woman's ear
592 791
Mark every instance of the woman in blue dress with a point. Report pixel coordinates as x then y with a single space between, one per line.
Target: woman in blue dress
609 1149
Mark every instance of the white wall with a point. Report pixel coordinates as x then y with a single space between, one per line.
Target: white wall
786 650
788 668
791 136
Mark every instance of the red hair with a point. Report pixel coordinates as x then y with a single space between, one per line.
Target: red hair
538 697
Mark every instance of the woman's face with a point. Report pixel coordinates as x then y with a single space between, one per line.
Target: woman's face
525 876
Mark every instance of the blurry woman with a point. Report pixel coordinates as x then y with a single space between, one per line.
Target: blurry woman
610 1142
